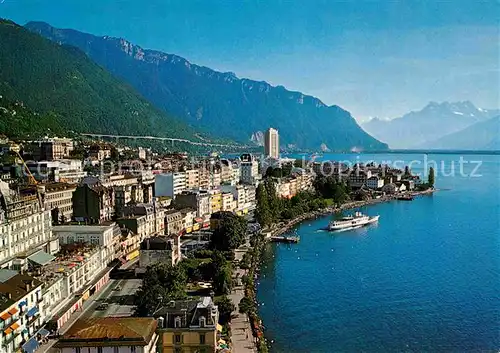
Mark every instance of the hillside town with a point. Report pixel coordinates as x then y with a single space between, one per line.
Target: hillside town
84 222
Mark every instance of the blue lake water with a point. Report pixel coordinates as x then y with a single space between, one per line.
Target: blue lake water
425 279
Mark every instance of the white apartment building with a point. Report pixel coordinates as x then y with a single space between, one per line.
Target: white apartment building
101 235
144 220
70 279
170 184
60 196
21 315
228 203
375 182
192 178
24 226
62 170
243 197
215 178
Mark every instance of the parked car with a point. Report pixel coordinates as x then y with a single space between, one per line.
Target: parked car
102 306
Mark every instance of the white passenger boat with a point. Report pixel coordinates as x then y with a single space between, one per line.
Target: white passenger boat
354 221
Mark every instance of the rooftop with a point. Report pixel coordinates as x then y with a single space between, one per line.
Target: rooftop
71 257
157 243
15 288
109 331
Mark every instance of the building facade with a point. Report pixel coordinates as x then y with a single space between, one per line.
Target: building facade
51 149
188 326
93 203
21 315
170 184
249 169
154 250
198 200
58 196
25 226
173 222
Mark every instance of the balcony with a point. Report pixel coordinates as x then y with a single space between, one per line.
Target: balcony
10 338
31 320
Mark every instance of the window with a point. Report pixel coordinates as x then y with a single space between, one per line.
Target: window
177 322
202 338
116 349
202 321
99 349
177 339
132 349
78 350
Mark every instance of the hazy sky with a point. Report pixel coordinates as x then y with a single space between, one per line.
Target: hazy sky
377 58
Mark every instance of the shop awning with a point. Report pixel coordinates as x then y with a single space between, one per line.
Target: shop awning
13 311
32 312
14 326
41 258
43 332
30 346
5 316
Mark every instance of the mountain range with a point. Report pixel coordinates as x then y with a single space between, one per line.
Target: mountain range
220 103
422 129
72 92
484 135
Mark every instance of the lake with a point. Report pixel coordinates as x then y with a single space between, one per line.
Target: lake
426 278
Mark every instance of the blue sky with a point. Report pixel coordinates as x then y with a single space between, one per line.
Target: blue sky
376 58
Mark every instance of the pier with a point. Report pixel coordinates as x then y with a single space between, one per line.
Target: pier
284 239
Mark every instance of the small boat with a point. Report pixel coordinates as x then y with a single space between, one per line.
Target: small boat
352 222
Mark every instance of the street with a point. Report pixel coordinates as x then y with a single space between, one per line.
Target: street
120 302
108 294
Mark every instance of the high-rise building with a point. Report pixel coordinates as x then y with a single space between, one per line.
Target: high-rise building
272 143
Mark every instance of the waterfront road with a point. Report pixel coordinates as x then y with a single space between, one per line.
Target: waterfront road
108 294
120 300
241 332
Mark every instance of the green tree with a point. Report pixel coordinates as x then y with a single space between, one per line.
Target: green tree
160 284
230 233
222 273
246 305
226 307
431 177
272 199
298 163
269 172
263 212
287 169
277 172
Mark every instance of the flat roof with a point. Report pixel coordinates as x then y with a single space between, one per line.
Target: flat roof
41 258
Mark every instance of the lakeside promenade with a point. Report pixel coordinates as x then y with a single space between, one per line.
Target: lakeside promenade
242 339
282 227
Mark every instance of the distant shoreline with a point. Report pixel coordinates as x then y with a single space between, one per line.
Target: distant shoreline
410 151
285 228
